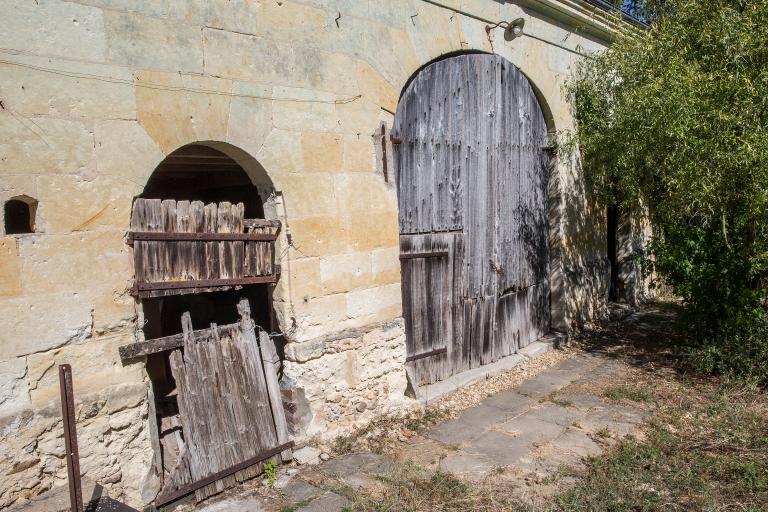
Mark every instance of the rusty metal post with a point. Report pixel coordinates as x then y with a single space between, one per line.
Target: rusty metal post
384 152
70 438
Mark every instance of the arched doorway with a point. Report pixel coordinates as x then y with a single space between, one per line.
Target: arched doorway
472 180
204 263
197 172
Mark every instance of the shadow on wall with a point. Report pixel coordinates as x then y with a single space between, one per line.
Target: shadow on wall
586 270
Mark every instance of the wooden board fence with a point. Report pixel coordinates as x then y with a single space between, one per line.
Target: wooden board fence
184 247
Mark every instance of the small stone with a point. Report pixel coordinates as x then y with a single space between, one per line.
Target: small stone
324 456
291 471
23 465
307 456
361 406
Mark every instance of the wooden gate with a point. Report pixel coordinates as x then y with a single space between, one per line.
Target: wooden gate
470 154
231 414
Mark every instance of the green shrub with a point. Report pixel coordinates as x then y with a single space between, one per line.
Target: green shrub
737 353
673 121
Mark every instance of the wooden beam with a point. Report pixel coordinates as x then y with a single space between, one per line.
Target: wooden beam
271 363
189 488
423 355
156 345
261 223
415 255
140 289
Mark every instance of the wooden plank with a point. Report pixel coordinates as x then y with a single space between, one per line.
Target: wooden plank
157 345
416 255
423 355
261 223
141 288
271 367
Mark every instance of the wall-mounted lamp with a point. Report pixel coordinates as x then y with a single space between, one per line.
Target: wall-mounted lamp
512 29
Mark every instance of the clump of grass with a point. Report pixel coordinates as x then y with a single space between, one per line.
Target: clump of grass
415 489
626 392
604 433
270 471
555 399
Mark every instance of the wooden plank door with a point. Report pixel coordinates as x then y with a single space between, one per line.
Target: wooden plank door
472 176
231 414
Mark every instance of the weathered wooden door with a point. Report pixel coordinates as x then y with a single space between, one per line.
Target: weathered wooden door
230 414
470 155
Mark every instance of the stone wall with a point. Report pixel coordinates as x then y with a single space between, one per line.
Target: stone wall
95 93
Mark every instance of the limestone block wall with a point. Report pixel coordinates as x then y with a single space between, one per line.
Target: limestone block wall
95 93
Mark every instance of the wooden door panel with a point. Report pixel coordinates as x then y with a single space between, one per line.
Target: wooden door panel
471 163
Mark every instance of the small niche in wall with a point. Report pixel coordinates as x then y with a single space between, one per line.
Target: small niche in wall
19 215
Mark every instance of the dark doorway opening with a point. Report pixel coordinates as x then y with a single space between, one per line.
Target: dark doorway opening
612 247
196 173
200 173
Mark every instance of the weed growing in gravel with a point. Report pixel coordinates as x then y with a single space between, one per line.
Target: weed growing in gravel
383 433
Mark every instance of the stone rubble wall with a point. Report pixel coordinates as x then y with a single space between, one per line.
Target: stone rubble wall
96 93
346 380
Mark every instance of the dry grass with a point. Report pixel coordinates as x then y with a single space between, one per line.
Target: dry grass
412 488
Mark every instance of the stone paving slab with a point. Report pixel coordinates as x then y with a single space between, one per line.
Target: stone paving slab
473 466
578 442
350 463
565 416
530 428
510 401
298 490
471 424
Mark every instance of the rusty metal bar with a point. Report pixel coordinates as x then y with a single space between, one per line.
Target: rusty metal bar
140 288
414 255
423 355
384 152
189 488
162 236
70 438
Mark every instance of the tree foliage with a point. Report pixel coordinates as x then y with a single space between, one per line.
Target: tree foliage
675 118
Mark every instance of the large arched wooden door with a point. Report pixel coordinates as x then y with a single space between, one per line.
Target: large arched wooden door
472 172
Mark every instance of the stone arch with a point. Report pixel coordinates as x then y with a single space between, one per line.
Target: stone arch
252 168
224 169
210 159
